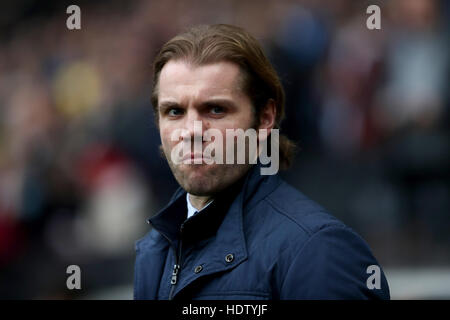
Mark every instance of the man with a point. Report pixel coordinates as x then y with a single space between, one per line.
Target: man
229 231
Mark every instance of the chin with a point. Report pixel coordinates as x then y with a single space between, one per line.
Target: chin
200 186
198 179
207 180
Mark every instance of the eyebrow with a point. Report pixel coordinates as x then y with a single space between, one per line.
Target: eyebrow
167 104
214 101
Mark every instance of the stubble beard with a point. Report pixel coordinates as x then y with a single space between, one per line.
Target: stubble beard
207 179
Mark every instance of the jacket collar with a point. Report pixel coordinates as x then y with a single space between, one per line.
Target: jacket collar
226 211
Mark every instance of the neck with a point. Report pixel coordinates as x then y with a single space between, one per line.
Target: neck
199 202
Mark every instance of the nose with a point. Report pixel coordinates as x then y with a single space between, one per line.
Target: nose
193 124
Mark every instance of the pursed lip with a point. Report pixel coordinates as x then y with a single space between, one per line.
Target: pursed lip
192 156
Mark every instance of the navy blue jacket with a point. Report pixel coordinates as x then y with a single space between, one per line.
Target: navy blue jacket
262 239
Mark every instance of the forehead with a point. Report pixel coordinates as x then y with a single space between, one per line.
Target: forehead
179 78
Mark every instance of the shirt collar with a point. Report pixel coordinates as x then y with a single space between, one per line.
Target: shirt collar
191 209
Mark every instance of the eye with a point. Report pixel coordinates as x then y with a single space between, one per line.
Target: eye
217 110
173 112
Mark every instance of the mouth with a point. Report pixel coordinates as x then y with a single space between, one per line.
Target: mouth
194 158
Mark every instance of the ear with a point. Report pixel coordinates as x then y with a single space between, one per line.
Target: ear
267 116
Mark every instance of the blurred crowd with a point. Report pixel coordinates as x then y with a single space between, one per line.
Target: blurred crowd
80 169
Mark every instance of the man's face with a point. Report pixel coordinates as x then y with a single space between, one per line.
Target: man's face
211 94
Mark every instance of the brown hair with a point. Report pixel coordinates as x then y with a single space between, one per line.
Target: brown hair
220 42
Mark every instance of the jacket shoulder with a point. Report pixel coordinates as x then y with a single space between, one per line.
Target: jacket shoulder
301 211
312 246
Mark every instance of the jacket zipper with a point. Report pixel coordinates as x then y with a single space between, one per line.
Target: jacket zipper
175 272
177 266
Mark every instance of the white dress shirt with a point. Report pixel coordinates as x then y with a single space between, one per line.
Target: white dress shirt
191 209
